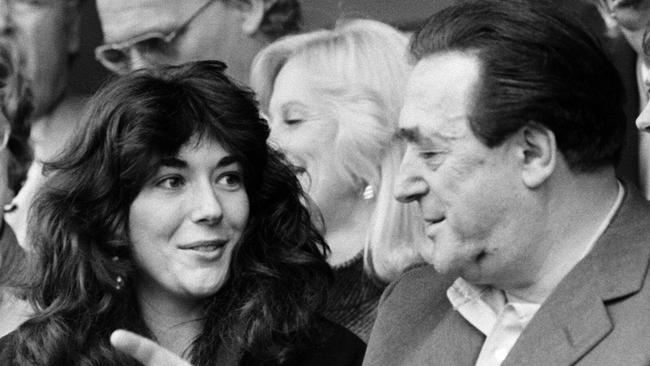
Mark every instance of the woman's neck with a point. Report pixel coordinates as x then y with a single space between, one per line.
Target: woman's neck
175 322
347 229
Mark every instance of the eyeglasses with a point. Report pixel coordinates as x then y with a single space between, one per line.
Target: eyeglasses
5 131
155 46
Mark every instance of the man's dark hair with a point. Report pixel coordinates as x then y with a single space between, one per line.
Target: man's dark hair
537 65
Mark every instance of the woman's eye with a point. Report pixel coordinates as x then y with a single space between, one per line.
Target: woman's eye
429 154
230 180
170 182
293 121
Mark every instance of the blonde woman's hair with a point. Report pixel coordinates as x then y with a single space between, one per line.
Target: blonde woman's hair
362 69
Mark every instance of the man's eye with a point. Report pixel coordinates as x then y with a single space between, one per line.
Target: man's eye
432 158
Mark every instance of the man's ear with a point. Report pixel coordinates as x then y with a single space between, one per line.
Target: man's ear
538 154
254 15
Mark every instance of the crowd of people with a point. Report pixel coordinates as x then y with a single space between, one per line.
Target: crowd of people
243 192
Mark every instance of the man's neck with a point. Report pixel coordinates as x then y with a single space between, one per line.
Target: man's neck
577 211
50 132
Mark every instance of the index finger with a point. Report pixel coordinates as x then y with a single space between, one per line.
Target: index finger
145 350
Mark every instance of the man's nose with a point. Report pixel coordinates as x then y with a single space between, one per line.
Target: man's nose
410 185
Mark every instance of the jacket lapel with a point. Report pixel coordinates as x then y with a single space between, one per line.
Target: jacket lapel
454 342
575 317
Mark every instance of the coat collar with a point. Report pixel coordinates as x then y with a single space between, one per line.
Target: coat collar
574 317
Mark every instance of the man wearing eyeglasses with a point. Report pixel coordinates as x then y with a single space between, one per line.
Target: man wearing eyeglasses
46 33
145 33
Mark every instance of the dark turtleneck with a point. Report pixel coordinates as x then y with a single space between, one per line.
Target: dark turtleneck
352 300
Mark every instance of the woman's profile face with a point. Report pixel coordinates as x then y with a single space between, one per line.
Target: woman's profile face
301 128
186 220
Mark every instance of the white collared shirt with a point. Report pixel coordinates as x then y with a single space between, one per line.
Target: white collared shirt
499 316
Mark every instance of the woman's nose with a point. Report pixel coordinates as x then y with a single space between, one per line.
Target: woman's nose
206 206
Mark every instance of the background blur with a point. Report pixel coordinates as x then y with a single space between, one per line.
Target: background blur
88 74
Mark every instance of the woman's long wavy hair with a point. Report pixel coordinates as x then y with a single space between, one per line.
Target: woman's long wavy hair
360 70
278 274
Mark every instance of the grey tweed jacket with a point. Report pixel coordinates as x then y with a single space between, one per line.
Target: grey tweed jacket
598 315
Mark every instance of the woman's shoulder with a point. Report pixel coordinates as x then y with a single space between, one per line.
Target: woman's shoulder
336 346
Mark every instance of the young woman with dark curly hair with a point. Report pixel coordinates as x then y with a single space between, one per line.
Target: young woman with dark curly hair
170 216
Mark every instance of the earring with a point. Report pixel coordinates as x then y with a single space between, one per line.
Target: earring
368 192
119 280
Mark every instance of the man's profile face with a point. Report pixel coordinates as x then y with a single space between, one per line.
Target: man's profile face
45 33
210 35
469 194
632 17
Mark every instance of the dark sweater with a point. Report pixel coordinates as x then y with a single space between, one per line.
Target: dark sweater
352 300
337 347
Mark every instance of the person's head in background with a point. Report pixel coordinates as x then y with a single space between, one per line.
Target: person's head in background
47 34
333 98
632 19
145 33
15 99
643 120
16 106
629 17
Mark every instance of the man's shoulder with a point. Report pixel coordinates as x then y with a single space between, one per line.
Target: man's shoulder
418 286
409 310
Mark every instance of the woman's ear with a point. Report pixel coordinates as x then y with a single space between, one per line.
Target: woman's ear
538 154
254 15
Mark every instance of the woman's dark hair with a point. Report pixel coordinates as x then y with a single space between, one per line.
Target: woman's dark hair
278 274
537 65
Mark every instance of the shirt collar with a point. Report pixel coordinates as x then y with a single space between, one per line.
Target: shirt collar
481 305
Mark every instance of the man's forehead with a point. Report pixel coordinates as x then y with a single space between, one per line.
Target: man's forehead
439 94
122 20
